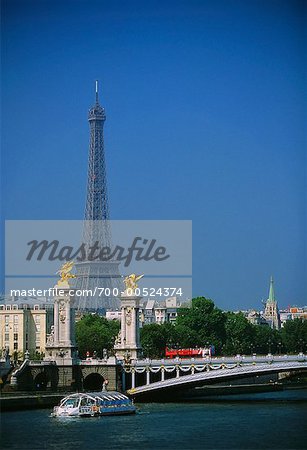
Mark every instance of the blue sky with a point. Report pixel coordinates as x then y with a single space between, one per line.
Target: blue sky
205 104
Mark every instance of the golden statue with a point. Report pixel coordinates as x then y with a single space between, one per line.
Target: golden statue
131 281
65 274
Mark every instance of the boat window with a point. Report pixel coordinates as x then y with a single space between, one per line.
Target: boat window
71 403
87 401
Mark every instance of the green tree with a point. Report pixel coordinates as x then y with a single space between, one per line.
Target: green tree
266 339
202 324
240 334
186 337
94 333
294 335
153 340
170 332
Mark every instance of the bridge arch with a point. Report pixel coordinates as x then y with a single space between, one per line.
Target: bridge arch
41 381
94 369
93 377
93 382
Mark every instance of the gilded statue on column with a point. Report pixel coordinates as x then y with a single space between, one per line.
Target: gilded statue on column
65 273
131 281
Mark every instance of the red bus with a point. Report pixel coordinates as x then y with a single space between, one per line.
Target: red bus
189 352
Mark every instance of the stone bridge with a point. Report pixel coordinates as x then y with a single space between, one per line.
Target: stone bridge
87 374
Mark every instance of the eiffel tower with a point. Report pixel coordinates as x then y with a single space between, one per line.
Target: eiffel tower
96 229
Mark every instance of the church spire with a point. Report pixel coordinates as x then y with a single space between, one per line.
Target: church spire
271 313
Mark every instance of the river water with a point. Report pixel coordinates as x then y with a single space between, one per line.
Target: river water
256 421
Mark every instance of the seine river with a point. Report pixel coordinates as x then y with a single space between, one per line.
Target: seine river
260 421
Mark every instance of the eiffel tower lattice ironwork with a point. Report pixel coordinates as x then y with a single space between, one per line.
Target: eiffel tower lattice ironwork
97 274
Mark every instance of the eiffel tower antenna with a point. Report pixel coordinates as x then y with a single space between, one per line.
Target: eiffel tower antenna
96 83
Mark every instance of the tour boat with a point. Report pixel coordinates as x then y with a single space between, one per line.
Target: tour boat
104 403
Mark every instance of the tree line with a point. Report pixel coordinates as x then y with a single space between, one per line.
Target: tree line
200 325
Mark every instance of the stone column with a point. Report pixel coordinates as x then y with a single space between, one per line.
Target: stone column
123 380
133 330
129 342
162 373
61 349
133 379
56 323
147 376
123 326
67 310
137 328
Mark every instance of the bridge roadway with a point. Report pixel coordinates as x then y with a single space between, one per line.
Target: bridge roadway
209 370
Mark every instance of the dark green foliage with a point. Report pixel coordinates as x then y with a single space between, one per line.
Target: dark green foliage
154 338
266 339
94 333
294 335
200 325
240 334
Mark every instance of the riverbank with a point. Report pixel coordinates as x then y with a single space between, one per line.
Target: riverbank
19 402
29 400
